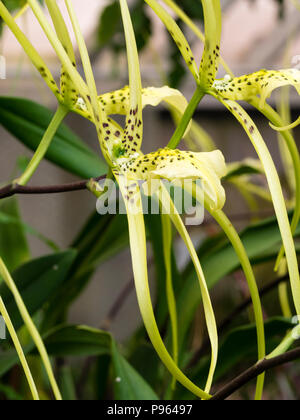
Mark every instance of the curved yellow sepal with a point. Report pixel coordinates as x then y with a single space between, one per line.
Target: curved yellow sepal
118 102
211 55
177 35
287 127
262 83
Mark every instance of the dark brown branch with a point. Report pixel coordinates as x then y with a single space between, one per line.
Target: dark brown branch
254 372
232 316
12 189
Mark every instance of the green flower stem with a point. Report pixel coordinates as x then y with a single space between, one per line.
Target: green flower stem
31 327
167 247
186 118
59 116
19 350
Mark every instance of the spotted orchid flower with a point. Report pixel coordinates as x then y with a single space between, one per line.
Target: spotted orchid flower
255 89
229 90
130 168
122 150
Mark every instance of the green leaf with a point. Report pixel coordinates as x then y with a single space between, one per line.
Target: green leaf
37 281
246 167
110 31
13 244
66 384
28 121
6 219
128 384
110 22
64 341
82 341
78 341
10 393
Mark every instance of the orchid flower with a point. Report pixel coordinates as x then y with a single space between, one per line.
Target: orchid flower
228 91
122 150
132 167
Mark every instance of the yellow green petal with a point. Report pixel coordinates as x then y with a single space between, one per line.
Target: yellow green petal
35 335
287 127
139 262
177 35
118 102
276 193
188 21
109 137
68 90
167 248
179 165
211 55
133 133
29 49
262 83
19 350
208 308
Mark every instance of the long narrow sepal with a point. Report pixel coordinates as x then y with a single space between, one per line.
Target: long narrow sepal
239 248
194 28
211 55
33 331
68 89
134 122
276 193
61 54
29 49
177 35
19 350
287 127
275 118
139 262
167 249
44 145
109 137
211 324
